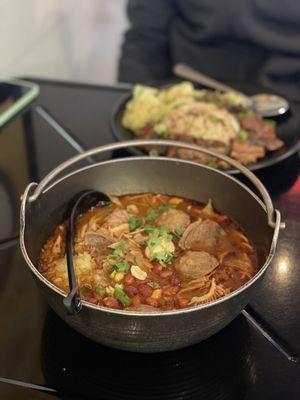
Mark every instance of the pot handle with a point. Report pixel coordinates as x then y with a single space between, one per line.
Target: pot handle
272 219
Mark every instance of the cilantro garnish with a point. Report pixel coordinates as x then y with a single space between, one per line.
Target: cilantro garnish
166 207
134 223
151 216
160 245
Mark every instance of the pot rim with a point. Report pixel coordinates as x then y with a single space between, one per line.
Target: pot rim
158 313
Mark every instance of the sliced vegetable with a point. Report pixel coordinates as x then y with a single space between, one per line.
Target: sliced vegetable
134 223
179 231
167 207
242 135
212 164
122 266
100 290
120 295
151 216
118 250
214 119
160 245
153 153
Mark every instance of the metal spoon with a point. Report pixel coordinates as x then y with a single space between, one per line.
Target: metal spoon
267 105
79 204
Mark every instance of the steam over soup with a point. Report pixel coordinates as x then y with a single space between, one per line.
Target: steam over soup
150 252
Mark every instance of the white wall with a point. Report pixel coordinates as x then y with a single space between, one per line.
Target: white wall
64 39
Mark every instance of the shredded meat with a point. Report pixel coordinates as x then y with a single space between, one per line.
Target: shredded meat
116 224
245 152
196 264
95 239
201 235
135 257
174 219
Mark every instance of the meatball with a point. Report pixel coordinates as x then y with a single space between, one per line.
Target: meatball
201 235
196 264
174 219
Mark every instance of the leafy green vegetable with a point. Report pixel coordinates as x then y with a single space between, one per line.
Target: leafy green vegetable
214 119
160 129
151 216
149 228
179 231
212 164
160 245
242 135
120 295
134 223
153 153
121 246
166 207
122 266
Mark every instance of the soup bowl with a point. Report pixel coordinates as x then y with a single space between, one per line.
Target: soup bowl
44 205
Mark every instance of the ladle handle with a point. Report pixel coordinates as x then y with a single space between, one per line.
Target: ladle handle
161 142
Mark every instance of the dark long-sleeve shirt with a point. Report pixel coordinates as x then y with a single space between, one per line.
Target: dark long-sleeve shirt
232 40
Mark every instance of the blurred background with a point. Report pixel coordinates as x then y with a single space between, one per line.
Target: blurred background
68 40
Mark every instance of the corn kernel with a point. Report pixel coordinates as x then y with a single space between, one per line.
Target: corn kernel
156 294
175 201
109 290
119 277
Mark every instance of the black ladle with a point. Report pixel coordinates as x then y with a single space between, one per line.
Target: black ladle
81 203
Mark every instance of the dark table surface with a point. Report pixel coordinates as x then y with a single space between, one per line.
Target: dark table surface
37 348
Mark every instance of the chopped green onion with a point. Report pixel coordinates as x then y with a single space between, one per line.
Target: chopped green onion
100 290
122 266
212 164
153 153
134 223
113 274
164 230
121 246
214 119
166 207
151 216
160 245
149 228
160 129
242 135
121 296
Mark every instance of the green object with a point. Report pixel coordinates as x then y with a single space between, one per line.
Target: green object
160 245
120 295
179 231
242 135
20 104
151 216
212 164
167 207
214 119
134 223
122 266
160 128
153 153
100 290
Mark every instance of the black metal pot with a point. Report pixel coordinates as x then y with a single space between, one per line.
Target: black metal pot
43 207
